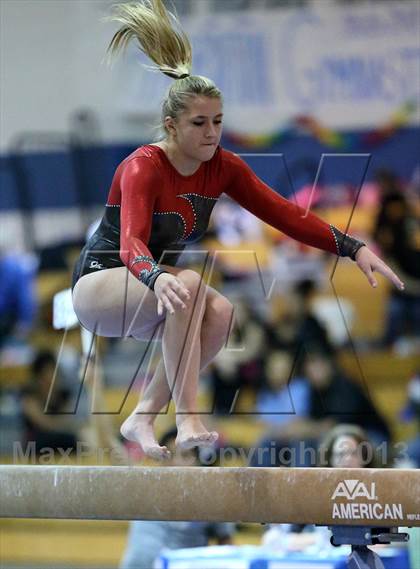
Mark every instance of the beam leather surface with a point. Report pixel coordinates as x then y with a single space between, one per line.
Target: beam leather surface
323 496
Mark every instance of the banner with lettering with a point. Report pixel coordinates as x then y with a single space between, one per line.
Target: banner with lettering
348 67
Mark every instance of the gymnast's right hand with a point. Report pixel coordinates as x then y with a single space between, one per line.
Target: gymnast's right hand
171 293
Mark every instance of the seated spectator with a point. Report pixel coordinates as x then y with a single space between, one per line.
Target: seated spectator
329 399
281 401
310 332
347 446
147 539
46 424
344 446
299 326
397 231
17 298
282 398
338 399
281 333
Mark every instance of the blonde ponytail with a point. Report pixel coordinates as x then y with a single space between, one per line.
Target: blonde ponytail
158 34
161 38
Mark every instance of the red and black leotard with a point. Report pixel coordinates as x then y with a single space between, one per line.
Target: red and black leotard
153 212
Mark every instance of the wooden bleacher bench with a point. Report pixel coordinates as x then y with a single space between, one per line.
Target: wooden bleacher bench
52 543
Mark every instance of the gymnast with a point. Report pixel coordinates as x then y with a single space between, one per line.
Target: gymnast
161 198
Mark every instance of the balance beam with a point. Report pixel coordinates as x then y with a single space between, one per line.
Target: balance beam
322 496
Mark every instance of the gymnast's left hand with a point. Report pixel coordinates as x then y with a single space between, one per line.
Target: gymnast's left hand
370 263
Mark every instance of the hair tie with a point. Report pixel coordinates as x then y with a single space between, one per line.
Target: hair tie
175 76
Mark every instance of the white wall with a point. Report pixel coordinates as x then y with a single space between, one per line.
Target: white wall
270 65
51 54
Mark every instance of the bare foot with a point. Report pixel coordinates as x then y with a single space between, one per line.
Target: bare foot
139 429
192 433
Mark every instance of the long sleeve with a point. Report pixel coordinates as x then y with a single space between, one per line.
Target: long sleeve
139 183
258 198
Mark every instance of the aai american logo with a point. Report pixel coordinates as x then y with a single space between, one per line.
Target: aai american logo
356 500
352 489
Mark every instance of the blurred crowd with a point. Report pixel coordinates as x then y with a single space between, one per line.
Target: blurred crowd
281 367
288 359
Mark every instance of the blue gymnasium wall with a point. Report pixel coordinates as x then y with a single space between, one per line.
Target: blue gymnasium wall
52 182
